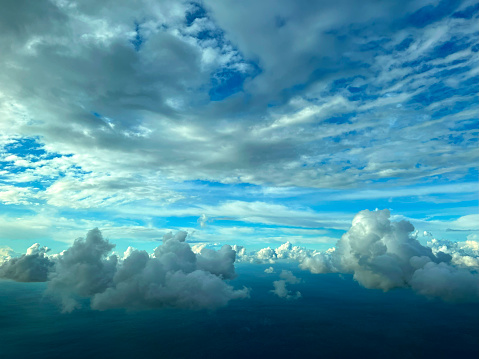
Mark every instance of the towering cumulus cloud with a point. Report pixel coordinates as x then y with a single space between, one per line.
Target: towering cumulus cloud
173 276
83 270
384 254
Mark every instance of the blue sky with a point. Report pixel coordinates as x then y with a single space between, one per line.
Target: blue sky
250 123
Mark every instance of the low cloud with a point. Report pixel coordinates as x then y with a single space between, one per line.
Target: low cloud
285 251
280 289
269 270
173 276
378 252
385 255
30 267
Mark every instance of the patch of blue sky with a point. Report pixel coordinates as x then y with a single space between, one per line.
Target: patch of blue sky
376 45
196 12
430 14
341 119
138 39
466 125
450 47
17 211
229 79
456 107
225 83
404 45
178 222
27 146
467 13
470 86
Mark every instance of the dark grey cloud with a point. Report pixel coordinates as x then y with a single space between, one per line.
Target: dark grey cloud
33 266
174 277
83 270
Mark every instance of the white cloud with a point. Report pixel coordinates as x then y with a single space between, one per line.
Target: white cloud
269 270
384 254
287 277
173 277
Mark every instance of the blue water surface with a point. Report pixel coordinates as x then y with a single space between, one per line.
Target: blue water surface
335 318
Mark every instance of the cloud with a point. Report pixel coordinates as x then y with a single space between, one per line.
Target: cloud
446 281
285 251
339 106
33 266
464 254
269 270
384 254
287 277
173 276
83 270
202 220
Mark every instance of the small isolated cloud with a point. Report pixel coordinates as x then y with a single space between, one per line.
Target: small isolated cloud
202 220
173 276
287 277
269 270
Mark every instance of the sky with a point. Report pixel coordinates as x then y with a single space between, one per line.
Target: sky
266 120
184 138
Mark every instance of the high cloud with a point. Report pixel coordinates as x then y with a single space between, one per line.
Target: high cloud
173 276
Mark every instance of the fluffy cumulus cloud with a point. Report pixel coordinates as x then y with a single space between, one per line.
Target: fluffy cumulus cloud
83 270
280 289
384 254
33 266
173 276
269 270
464 254
285 251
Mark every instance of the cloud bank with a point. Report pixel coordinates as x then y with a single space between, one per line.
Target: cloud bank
383 254
379 253
173 276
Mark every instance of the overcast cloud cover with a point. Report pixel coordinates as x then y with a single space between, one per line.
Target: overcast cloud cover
256 131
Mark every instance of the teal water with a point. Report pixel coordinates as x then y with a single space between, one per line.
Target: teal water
335 318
